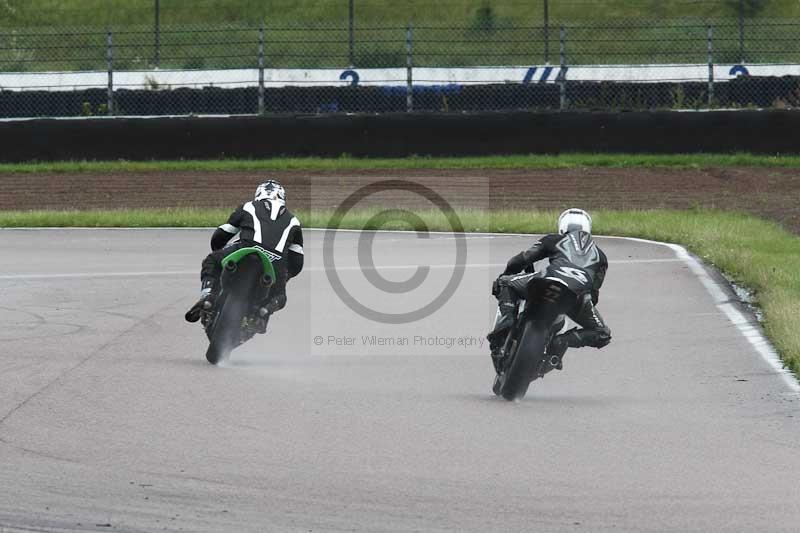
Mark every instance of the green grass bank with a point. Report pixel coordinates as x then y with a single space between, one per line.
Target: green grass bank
61 13
310 164
43 35
754 253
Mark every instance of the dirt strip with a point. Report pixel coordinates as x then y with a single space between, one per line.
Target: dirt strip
772 193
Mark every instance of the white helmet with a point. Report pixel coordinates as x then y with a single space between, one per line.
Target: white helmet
574 219
272 192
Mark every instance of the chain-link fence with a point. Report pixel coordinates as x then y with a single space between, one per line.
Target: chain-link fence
259 69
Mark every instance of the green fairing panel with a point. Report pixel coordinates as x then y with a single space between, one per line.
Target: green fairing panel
240 254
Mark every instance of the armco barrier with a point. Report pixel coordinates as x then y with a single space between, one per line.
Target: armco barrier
400 134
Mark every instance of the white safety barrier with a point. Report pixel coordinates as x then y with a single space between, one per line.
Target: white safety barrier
237 78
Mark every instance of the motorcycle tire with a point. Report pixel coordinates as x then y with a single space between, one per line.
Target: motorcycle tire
227 327
526 362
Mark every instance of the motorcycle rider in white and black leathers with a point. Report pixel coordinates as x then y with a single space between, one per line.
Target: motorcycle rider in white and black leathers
572 247
264 222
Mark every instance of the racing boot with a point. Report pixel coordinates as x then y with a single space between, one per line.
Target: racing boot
276 303
558 347
578 338
208 294
271 305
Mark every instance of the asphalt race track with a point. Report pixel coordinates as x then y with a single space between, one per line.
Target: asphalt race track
111 419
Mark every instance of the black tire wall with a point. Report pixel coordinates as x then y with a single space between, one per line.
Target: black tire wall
400 135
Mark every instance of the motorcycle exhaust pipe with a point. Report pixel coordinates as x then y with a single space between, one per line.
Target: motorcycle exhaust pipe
555 361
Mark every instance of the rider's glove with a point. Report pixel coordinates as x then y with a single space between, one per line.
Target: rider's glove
496 287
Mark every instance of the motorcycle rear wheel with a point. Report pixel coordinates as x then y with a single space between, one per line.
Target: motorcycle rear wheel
227 328
525 364
226 333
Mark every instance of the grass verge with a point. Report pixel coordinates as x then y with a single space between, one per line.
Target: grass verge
65 13
755 253
451 33
345 163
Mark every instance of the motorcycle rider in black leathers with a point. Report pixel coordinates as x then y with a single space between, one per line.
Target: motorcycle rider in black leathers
265 222
572 247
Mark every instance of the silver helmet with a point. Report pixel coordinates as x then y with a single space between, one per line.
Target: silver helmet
574 219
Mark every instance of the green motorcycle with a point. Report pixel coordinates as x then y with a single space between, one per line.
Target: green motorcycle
237 315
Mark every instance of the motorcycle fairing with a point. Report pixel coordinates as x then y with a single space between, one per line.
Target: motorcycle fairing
264 255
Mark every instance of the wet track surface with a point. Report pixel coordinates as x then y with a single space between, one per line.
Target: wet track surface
111 420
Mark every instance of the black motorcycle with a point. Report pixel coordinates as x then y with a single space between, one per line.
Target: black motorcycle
237 315
527 353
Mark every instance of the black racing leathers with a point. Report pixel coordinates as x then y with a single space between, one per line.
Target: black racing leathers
277 231
575 249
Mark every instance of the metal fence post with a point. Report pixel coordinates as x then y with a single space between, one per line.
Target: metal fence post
710 65
409 68
546 32
351 34
157 34
110 58
261 69
562 70
741 31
